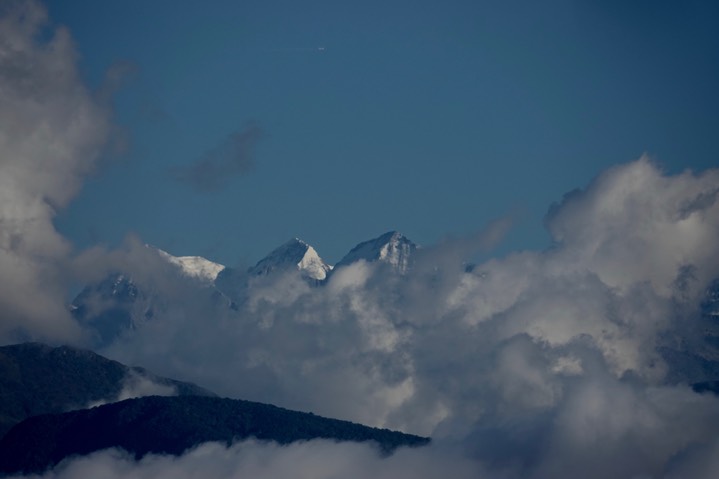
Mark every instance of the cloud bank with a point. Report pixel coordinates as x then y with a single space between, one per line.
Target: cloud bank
574 361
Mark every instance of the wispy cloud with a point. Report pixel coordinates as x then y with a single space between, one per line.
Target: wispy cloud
217 167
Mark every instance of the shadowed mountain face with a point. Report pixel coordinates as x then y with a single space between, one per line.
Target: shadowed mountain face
112 306
39 379
171 425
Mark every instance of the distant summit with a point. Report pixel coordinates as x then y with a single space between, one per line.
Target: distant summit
194 266
294 254
392 248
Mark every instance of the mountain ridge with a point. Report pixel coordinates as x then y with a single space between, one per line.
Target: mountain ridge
117 304
172 425
36 378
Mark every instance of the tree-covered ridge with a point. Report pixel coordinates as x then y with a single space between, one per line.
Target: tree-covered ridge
171 425
40 379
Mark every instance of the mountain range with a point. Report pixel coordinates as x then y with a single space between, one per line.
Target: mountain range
58 402
391 248
119 303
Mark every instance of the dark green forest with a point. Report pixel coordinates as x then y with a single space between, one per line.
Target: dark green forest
171 425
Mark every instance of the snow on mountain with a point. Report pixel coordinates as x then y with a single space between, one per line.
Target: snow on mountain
117 305
392 248
194 266
293 254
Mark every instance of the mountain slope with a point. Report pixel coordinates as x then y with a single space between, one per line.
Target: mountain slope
39 379
171 425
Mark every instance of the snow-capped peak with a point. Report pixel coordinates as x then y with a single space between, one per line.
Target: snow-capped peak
294 253
194 266
392 248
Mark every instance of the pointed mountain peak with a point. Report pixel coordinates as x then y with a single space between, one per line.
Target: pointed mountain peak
295 253
392 248
194 266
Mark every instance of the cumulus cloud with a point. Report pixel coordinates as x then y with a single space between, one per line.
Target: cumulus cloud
540 364
51 134
231 158
635 224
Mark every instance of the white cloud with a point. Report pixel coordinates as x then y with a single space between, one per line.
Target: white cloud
137 385
308 460
51 133
526 360
635 224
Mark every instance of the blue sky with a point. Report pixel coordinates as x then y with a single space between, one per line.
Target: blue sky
432 118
